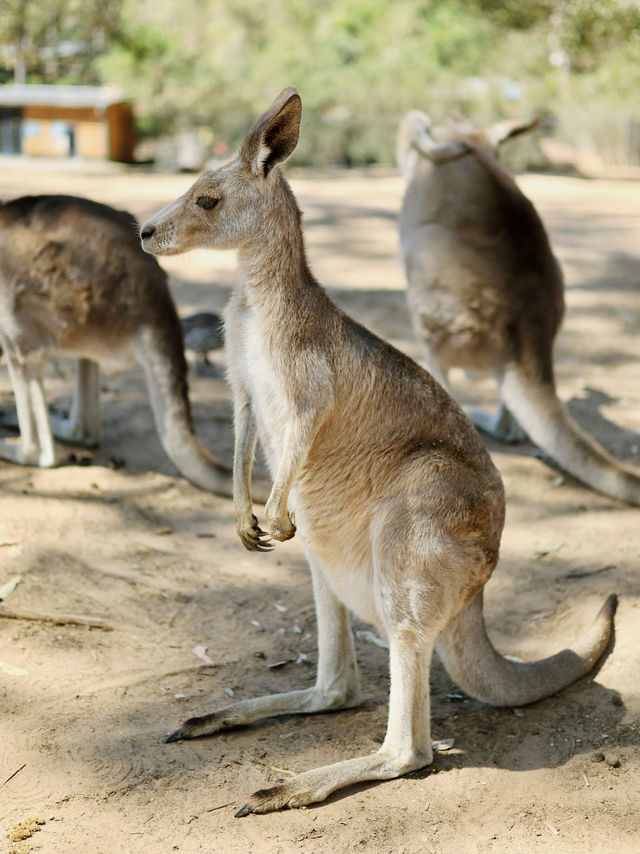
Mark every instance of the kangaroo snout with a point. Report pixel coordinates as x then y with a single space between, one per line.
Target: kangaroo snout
153 238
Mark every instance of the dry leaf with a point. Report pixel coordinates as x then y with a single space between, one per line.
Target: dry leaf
547 550
542 615
10 586
201 652
372 638
12 670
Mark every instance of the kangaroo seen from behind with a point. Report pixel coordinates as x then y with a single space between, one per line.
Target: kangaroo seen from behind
486 292
390 488
74 282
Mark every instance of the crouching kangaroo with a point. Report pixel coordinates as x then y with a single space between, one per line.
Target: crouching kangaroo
74 282
486 292
397 502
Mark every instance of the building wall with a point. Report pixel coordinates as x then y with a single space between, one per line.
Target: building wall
122 133
63 132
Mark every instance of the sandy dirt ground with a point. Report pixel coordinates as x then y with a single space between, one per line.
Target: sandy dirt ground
83 711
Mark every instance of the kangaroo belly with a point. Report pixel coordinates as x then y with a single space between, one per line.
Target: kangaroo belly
344 552
112 357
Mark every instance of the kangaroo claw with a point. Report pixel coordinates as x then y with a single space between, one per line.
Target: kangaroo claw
252 538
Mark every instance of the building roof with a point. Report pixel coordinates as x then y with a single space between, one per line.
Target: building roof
30 95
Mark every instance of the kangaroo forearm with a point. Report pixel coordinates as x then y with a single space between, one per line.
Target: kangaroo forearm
245 444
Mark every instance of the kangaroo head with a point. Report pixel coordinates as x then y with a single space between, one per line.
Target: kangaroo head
450 141
228 207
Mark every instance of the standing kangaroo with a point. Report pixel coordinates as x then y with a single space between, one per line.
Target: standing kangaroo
397 502
74 282
486 292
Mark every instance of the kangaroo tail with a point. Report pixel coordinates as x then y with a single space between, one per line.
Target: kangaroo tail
539 411
482 672
159 349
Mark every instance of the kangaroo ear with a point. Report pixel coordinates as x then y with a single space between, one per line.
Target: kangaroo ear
502 131
274 135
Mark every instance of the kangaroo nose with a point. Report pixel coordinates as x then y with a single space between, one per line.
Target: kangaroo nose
147 231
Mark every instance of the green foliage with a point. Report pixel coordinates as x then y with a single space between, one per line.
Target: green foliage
359 64
50 40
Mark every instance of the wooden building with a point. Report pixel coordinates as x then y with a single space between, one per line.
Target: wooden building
65 121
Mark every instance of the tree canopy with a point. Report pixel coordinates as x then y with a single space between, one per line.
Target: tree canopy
358 63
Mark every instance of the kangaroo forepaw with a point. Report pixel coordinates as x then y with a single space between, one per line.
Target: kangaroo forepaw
251 536
281 524
282 530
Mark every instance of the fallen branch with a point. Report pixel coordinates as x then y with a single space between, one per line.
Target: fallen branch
58 619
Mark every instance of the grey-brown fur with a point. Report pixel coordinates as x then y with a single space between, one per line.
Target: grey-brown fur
73 281
486 292
375 468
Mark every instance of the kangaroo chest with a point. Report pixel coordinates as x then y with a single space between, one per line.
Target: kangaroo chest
251 369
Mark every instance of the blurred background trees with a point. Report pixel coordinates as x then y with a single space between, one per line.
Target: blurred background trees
209 65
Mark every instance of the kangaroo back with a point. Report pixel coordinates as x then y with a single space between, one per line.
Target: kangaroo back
79 262
486 291
482 279
75 280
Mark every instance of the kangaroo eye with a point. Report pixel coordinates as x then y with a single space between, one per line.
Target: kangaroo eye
207 202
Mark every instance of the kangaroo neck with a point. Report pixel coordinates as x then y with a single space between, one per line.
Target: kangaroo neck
273 268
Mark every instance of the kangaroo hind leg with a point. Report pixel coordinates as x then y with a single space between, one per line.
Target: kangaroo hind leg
403 606
502 425
35 445
82 427
337 684
406 747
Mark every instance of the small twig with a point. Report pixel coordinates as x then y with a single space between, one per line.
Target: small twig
584 573
58 619
179 612
14 774
552 828
221 807
282 770
277 664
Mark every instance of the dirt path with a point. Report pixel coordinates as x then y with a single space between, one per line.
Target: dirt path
81 730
